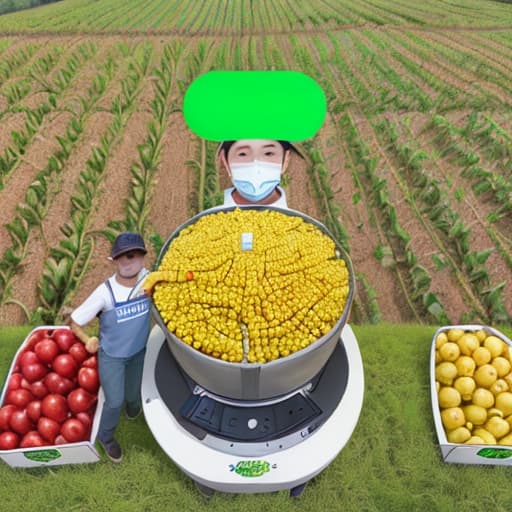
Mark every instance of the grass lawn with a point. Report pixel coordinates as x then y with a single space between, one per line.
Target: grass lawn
391 463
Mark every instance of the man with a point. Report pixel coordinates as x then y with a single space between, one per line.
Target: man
124 322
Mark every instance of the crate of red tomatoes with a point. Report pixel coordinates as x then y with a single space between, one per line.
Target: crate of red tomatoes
51 401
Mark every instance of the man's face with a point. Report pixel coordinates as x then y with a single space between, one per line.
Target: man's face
248 150
130 263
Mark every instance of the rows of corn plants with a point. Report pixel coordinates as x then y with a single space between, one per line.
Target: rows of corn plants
394 250
45 186
15 60
480 136
69 259
413 279
431 203
143 170
366 307
249 16
63 80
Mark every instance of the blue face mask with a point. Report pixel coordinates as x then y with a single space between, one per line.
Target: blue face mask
255 180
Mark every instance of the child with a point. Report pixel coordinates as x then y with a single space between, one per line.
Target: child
124 322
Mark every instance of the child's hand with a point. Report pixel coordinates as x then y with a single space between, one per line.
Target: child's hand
92 344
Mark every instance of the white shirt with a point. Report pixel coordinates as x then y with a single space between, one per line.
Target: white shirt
229 201
101 300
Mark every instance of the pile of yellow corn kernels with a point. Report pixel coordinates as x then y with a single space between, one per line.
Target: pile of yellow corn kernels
254 302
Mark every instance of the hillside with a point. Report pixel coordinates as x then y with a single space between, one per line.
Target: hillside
411 170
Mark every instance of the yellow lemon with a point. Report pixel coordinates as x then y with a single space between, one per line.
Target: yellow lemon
485 435
483 397
481 356
465 386
504 402
446 372
454 334
453 418
475 414
485 375
475 440
469 425
507 440
494 412
508 419
441 339
497 426
508 379
495 345
458 435
450 351
481 335
448 397
502 366
438 357
465 366
468 343
499 386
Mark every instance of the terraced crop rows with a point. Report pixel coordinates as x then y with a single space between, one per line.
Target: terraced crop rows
411 170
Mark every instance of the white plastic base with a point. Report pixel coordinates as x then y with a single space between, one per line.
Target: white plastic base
283 469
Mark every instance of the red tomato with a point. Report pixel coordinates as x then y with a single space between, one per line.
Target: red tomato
57 384
34 410
88 379
48 428
73 430
32 439
14 381
80 400
60 439
5 416
27 357
39 389
35 337
19 397
25 384
9 440
85 418
20 422
33 371
92 362
55 407
65 365
46 350
79 352
64 338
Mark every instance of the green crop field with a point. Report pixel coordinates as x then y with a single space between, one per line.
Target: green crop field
411 172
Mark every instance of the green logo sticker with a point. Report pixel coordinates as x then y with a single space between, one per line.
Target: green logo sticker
250 468
495 453
234 105
42 455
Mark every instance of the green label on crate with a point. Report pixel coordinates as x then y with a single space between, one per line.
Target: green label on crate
250 468
495 453
42 455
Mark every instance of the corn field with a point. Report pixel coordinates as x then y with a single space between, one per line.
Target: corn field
411 171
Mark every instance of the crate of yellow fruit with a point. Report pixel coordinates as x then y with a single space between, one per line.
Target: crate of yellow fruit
471 387
251 300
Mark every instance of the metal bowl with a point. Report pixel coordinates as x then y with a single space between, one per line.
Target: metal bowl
257 381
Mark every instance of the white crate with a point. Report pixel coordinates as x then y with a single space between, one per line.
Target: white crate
458 453
71 453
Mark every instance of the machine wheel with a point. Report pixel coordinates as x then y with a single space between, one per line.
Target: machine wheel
295 492
206 492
